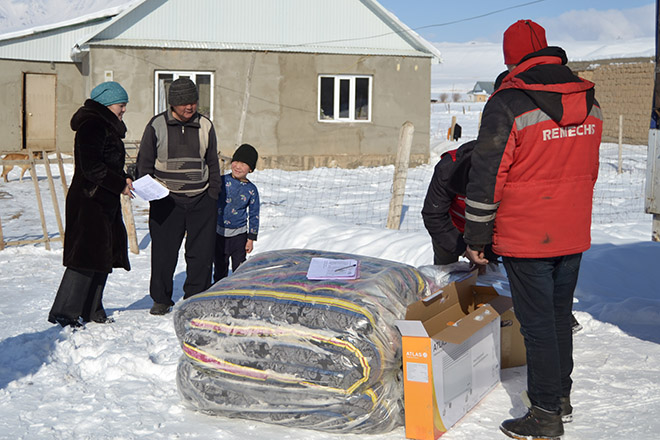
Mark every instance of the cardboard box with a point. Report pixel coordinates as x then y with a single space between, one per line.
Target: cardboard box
452 354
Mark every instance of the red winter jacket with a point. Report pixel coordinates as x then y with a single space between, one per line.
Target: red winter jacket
535 162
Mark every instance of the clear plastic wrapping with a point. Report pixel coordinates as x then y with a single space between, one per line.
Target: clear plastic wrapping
268 344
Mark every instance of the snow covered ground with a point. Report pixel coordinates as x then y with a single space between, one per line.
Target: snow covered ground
117 381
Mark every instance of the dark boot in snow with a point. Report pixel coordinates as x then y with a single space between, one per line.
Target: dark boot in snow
566 410
160 309
575 325
538 423
65 321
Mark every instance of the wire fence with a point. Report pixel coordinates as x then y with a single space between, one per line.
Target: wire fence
361 196
351 196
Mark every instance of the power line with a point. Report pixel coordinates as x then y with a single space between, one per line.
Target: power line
405 31
478 16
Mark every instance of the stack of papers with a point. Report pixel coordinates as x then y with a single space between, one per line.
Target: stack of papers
332 269
149 189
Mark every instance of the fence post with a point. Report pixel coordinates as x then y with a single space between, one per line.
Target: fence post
129 222
400 175
35 180
53 195
450 135
62 174
620 144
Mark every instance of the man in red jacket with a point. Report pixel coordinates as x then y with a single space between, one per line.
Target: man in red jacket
529 194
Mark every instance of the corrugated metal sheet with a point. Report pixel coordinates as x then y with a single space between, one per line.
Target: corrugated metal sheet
337 26
52 45
312 26
201 45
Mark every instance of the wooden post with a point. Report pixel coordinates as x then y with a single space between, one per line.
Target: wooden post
53 196
62 175
450 135
400 175
129 222
620 169
246 100
33 173
655 233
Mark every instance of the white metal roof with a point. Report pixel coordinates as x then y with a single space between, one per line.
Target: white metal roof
54 42
314 26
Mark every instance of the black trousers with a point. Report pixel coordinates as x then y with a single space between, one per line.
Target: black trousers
169 222
226 248
542 292
80 295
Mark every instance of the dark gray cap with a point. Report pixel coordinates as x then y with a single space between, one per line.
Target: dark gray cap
182 91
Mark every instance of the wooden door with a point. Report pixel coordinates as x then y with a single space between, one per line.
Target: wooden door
39 111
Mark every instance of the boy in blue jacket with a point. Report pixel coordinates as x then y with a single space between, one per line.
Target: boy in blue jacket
238 213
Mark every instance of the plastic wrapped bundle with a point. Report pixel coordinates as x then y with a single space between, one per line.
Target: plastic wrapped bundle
268 344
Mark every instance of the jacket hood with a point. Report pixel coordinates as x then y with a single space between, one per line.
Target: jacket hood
93 110
554 88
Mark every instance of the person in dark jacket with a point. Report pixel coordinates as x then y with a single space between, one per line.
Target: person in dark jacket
95 239
179 149
444 205
530 194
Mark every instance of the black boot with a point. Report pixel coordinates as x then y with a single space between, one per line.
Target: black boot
538 423
566 410
575 325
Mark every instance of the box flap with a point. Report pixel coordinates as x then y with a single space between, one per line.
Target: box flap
488 294
411 328
457 292
462 329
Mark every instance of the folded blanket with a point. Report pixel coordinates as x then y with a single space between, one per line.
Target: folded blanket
268 344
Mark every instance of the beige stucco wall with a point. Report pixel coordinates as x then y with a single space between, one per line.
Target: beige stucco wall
281 120
69 96
624 89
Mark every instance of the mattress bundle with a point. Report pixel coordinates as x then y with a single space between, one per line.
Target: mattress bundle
268 344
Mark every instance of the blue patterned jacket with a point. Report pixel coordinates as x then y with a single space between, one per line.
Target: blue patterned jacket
238 208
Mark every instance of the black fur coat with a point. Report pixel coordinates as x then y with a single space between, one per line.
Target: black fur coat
95 237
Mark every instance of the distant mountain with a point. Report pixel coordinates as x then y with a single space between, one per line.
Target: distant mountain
18 15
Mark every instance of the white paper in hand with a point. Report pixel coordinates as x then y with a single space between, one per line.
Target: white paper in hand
149 189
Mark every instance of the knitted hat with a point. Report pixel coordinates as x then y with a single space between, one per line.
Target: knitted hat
109 93
522 38
246 154
182 91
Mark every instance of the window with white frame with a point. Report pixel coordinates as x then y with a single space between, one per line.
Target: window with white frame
204 81
344 98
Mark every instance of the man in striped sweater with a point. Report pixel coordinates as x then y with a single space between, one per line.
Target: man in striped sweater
179 149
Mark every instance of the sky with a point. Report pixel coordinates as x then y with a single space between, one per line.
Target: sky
435 20
564 20
118 381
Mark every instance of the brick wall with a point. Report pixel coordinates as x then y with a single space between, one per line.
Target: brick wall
623 88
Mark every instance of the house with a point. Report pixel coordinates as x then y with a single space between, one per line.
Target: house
308 82
481 91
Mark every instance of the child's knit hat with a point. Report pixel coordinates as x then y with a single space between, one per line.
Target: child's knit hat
246 153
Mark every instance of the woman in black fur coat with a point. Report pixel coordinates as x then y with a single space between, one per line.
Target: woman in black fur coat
95 240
